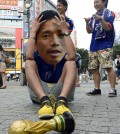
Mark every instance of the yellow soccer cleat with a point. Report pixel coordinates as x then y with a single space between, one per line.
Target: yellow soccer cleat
61 106
46 110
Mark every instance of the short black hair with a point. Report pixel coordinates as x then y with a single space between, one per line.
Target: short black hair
64 2
48 14
106 2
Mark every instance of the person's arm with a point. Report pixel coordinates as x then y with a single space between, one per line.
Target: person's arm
88 29
35 25
70 48
104 24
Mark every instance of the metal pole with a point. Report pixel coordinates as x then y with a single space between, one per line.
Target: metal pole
21 53
28 21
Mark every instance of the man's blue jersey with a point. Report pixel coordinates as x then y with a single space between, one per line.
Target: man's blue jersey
70 22
102 39
48 72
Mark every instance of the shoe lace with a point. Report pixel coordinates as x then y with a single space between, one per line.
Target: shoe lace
47 103
62 103
112 91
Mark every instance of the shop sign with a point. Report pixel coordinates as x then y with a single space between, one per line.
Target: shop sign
9 2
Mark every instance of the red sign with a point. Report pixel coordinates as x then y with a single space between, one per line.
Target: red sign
18 37
9 2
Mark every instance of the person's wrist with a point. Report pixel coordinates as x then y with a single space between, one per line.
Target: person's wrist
32 34
100 19
31 37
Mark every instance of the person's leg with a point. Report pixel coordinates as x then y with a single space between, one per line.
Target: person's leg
46 109
112 80
117 76
68 79
3 80
112 77
107 63
69 75
94 66
3 68
77 80
96 78
34 79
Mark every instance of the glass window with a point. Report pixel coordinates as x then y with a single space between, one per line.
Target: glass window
7 37
10 23
11 56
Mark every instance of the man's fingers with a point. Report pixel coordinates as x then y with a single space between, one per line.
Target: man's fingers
57 18
62 17
40 17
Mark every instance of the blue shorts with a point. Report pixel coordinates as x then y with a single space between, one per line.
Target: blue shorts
117 72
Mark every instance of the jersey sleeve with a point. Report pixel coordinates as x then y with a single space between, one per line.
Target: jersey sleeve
109 17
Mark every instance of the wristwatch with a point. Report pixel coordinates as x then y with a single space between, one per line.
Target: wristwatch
66 33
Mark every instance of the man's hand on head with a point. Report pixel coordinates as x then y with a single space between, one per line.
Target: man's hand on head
35 25
61 22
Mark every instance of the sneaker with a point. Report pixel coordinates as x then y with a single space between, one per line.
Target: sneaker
61 106
112 93
46 110
94 92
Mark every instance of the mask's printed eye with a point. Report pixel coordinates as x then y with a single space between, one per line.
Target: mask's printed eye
61 35
46 36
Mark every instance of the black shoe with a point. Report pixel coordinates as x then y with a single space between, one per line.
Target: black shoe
113 93
94 92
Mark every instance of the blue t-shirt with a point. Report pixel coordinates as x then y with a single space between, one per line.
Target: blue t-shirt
70 22
102 39
48 72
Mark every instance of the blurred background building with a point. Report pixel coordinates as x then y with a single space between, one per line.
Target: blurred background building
15 17
11 26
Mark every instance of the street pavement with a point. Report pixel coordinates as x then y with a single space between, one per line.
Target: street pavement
93 114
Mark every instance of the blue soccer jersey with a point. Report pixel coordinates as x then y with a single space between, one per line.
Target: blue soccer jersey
70 22
48 72
102 39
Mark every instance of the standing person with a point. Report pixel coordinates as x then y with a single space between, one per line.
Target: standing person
102 29
117 66
78 64
62 6
50 64
2 67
